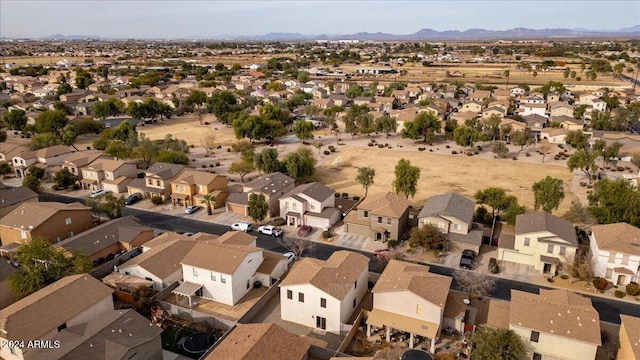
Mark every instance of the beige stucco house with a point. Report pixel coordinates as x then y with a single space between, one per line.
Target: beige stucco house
273 186
629 338
310 204
157 180
191 185
108 174
615 252
382 217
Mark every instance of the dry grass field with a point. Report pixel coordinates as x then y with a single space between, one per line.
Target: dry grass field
440 173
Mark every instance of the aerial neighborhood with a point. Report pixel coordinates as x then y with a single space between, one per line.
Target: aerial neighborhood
320 199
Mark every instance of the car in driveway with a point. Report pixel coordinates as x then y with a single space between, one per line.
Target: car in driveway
133 198
96 193
241 226
382 253
270 230
467 259
291 257
191 209
304 230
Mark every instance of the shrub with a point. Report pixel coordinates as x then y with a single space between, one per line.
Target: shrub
369 144
356 198
203 166
527 154
332 148
327 152
469 153
211 165
600 283
453 152
55 187
393 243
326 234
633 289
515 158
228 149
380 146
337 195
345 195
620 294
550 279
192 146
620 168
217 163
493 266
156 200
564 276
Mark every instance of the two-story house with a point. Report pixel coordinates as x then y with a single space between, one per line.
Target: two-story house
556 324
542 240
323 294
76 161
423 296
273 186
191 185
68 302
51 220
45 157
560 108
382 217
452 214
157 180
310 204
9 150
108 174
629 336
12 197
615 252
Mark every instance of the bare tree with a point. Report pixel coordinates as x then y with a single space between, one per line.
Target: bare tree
209 142
578 267
297 246
476 285
545 148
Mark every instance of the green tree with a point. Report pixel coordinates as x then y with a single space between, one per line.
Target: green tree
267 160
31 182
356 118
44 140
500 149
248 126
465 136
386 124
111 205
311 110
15 119
425 125
578 214
118 149
577 139
584 161
241 168
365 178
68 135
613 201
427 236
63 88
258 207
522 138
354 91
304 130
172 157
210 201
300 165
51 121
146 150
4 169
406 179
64 178
83 78
513 210
496 344
548 193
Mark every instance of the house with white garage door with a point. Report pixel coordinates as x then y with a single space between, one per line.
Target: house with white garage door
310 204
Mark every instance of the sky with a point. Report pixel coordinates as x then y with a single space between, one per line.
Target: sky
201 19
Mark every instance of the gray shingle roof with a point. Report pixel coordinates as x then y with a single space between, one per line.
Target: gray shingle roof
449 204
543 221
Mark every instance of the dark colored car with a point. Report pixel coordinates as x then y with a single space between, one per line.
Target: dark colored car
304 230
133 198
466 261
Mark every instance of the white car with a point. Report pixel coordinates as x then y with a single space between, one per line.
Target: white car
241 226
291 257
270 230
191 209
96 193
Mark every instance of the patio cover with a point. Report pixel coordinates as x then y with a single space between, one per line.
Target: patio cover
623 270
380 318
187 289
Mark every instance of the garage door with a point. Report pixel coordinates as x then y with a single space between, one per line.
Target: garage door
315 222
516 257
236 209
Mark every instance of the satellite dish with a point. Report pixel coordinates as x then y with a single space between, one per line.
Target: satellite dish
466 301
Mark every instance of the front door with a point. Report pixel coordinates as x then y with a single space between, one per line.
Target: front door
621 279
321 323
546 269
379 236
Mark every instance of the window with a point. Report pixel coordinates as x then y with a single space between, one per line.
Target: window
625 259
527 241
62 327
608 274
213 277
289 294
312 207
388 221
23 234
612 257
355 284
149 182
195 272
67 221
286 204
56 240
457 226
248 283
418 308
549 249
379 219
323 302
301 297
534 336
563 250
366 213
537 356
294 206
70 234
157 182
148 278
354 303
200 188
223 279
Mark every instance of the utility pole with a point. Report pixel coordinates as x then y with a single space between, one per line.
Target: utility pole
508 76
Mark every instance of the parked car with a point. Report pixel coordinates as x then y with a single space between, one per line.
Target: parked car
382 253
304 230
191 209
270 230
291 257
467 259
133 198
96 193
241 226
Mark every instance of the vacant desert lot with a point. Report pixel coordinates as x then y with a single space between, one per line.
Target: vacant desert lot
440 173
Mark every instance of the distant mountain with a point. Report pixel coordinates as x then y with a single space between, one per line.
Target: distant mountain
631 29
70 37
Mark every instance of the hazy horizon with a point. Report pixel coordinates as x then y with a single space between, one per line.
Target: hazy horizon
202 19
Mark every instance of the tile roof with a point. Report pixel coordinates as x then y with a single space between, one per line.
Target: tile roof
618 237
632 327
50 151
196 177
222 258
270 183
543 221
38 314
83 158
162 260
102 164
33 214
13 195
404 276
165 170
335 276
388 204
498 315
449 204
558 312
265 341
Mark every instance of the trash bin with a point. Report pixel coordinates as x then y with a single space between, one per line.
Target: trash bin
448 331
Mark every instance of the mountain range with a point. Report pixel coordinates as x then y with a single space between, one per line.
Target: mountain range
423 34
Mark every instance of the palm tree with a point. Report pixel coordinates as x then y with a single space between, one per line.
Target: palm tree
209 199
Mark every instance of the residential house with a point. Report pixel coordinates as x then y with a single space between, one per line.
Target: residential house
554 135
568 122
382 217
319 93
402 96
324 294
51 220
65 304
555 324
9 150
265 341
479 95
560 108
12 197
43 158
388 102
310 204
157 180
97 338
542 240
423 296
7 297
629 338
630 142
74 162
323 103
190 187
615 252
463 116
517 91
339 100
452 214
109 239
273 186
362 100
532 109
109 174
535 122
502 95
494 111
472 106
